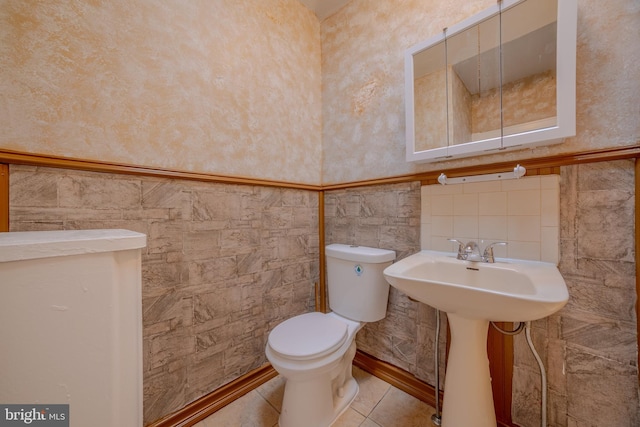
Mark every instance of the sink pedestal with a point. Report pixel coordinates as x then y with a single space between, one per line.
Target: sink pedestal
468 399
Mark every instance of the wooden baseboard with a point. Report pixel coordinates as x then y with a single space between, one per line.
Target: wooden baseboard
397 377
217 399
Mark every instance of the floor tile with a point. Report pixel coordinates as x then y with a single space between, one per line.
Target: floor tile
378 404
399 409
350 418
273 392
252 410
372 389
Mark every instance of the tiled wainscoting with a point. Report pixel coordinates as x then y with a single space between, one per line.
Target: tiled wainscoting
388 217
589 347
223 265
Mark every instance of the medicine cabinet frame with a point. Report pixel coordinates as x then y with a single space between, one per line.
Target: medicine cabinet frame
532 134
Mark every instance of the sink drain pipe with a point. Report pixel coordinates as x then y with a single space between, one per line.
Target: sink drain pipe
436 418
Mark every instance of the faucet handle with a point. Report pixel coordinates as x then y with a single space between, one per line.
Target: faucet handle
461 252
488 251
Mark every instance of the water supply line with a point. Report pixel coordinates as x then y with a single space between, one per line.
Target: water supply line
543 375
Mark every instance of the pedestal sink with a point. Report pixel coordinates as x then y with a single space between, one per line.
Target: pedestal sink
472 294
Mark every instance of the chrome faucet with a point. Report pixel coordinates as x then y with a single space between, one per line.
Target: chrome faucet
471 251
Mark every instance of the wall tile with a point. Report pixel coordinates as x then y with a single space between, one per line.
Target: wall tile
442 204
465 227
33 189
465 204
493 203
524 228
497 211
602 391
522 184
524 202
223 265
493 227
592 342
374 220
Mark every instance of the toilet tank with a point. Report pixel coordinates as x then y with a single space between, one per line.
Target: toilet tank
357 287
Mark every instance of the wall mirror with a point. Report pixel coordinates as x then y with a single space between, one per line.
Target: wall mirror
503 79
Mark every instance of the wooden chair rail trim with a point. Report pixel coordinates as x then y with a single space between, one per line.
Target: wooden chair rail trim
16 157
4 198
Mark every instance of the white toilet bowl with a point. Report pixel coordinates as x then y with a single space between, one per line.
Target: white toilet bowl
314 353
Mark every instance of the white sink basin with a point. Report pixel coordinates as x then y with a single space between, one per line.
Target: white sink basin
507 290
472 294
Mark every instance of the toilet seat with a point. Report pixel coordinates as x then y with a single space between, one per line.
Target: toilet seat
308 336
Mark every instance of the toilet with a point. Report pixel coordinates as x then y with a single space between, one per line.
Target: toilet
314 351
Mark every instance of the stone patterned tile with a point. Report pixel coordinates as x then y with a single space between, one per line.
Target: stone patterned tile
557 410
606 176
601 391
164 387
32 189
173 306
204 372
526 397
603 287
96 192
556 371
167 194
522 355
386 216
169 347
594 334
205 268
243 357
603 221
221 206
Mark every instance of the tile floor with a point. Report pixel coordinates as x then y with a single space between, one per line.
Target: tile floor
378 404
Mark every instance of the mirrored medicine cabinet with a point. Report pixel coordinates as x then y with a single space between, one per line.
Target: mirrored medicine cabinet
503 79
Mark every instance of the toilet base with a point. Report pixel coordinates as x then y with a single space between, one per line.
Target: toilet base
320 400
322 410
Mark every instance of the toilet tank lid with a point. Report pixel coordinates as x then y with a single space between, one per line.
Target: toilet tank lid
359 253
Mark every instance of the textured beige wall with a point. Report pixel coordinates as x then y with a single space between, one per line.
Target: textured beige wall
224 87
525 100
363 82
